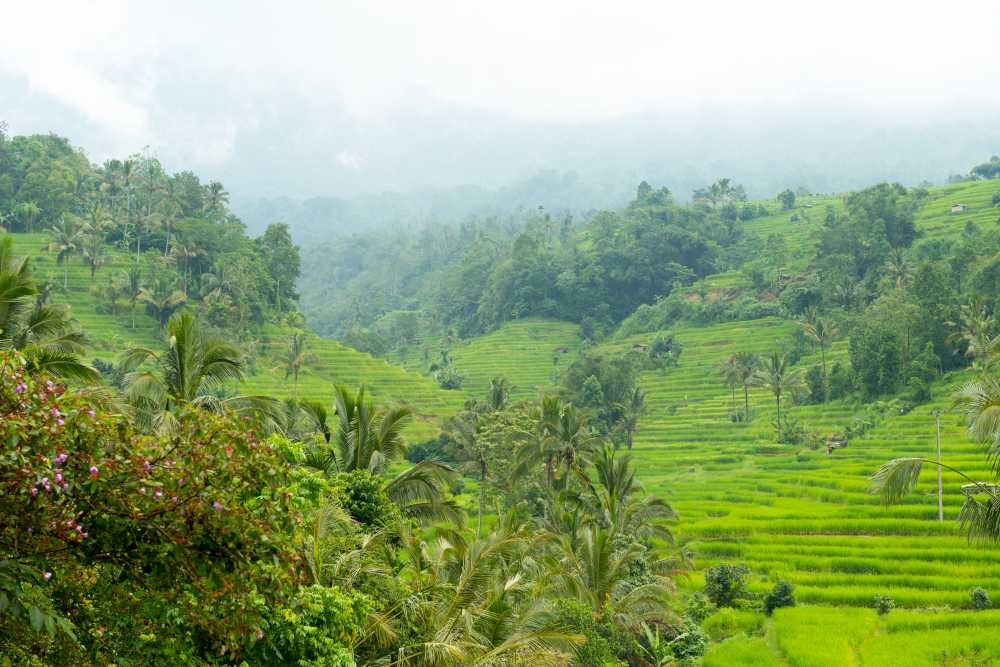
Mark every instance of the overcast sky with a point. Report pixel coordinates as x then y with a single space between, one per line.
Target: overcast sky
340 97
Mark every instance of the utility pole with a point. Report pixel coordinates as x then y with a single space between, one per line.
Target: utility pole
937 424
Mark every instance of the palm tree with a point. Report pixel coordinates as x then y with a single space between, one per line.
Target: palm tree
596 572
562 442
499 393
777 375
631 412
619 503
27 212
476 603
189 371
974 329
980 514
747 364
131 284
297 357
897 268
162 299
822 332
66 241
43 333
94 252
367 439
731 372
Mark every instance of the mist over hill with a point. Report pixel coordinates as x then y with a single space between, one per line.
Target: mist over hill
497 168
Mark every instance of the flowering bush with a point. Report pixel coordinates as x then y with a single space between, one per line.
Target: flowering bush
120 543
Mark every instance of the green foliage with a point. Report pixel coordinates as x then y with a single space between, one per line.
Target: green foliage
596 649
979 599
787 199
363 497
883 604
726 584
313 629
449 378
105 514
875 358
699 607
782 595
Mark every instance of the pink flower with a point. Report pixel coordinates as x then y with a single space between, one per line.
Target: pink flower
49 385
142 489
90 413
60 422
158 494
34 491
217 506
59 478
47 576
55 412
145 466
93 471
20 388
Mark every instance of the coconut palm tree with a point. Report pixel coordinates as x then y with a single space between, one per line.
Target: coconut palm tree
897 268
822 332
631 411
190 370
476 603
618 502
731 372
562 444
777 375
66 241
747 364
974 331
596 572
94 252
130 281
162 299
296 357
368 439
27 212
499 393
43 333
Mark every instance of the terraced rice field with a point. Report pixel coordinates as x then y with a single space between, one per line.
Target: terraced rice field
111 334
526 352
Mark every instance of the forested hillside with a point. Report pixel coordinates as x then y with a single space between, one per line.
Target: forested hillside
672 433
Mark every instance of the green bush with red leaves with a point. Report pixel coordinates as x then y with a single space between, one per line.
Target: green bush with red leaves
145 548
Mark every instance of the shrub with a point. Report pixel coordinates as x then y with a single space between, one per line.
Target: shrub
979 599
782 595
725 584
699 607
449 378
883 604
363 496
207 514
690 643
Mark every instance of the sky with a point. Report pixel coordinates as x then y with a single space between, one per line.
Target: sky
343 97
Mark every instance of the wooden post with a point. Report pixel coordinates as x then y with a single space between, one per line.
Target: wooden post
937 424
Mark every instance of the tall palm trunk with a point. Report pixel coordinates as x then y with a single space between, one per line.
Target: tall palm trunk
746 402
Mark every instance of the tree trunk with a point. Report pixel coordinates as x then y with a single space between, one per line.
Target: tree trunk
826 382
746 402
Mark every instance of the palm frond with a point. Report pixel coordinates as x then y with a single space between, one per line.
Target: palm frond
896 479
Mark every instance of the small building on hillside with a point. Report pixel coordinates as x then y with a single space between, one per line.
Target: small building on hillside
640 347
958 208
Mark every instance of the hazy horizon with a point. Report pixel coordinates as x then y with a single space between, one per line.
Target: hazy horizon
341 100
